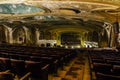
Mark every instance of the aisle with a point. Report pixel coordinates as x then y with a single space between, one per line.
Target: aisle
77 69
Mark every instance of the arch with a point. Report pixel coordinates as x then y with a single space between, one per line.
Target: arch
4 34
53 35
95 36
104 39
48 35
85 36
89 36
19 36
41 35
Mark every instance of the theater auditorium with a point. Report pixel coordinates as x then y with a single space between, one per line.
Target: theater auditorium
59 40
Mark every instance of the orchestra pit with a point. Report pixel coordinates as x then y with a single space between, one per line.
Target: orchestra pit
59 40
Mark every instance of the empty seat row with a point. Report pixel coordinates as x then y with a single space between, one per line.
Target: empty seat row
105 64
35 62
20 68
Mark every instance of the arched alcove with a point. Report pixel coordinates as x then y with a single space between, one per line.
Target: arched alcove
41 35
4 34
104 39
95 36
19 36
47 35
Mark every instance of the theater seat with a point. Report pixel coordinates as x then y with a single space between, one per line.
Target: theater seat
102 76
5 64
24 57
39 71
6 76
18 67
53 63
102 67
116 70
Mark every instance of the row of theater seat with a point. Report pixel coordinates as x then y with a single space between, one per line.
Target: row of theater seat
105 64
35 62
20 68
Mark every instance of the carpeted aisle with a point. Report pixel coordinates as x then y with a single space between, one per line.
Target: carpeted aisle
77 69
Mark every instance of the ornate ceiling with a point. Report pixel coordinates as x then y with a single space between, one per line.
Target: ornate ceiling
81 8
87 14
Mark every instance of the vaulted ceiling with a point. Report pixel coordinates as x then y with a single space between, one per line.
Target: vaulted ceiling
66 15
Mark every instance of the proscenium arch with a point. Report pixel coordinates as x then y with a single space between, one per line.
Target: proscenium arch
59 31
70 27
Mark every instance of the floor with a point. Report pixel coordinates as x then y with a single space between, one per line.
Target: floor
77 69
